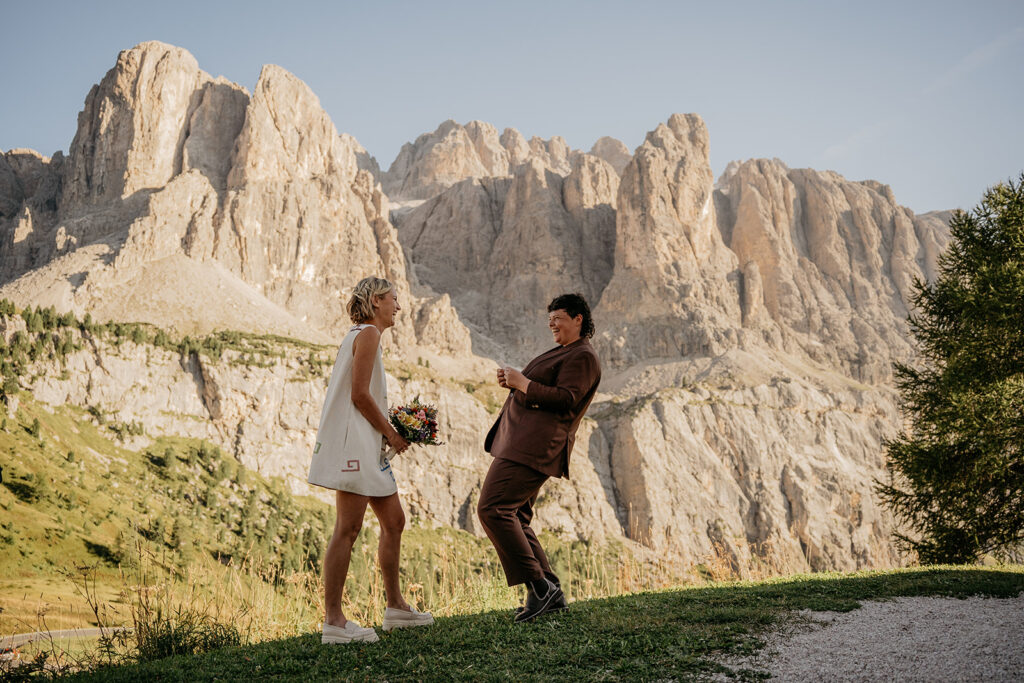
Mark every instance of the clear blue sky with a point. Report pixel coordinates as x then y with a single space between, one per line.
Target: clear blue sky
925 96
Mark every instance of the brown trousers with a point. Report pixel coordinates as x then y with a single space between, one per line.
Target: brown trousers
505 510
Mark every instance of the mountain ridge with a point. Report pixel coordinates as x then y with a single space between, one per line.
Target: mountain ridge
747 325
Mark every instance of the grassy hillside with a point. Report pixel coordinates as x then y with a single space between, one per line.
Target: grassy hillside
77 503
666 635
193 550
73 498
179 533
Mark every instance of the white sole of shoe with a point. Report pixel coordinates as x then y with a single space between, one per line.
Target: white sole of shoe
391 625
340 640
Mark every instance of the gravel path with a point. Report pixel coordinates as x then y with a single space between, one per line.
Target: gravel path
906 639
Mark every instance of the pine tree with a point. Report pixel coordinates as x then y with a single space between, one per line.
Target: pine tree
156 529
122 549
182 539
34 322
10 387
957 475
170 462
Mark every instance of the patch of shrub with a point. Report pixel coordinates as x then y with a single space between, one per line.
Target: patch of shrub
97 413
123 429
186 632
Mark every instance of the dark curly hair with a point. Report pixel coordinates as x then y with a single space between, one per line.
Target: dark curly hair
574 304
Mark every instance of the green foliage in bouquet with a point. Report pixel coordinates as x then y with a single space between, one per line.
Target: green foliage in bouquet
957 476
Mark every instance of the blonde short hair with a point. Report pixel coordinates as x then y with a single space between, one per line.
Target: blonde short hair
360 304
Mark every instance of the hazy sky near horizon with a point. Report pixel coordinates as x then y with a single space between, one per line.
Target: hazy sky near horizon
927 97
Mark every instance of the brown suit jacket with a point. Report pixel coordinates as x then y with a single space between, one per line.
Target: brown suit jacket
538 428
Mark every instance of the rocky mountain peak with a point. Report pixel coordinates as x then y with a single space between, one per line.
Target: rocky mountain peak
613 151
453 152
671 264
837 259
503 247
287 136
131 131
516 145
187 203
364 160
444 157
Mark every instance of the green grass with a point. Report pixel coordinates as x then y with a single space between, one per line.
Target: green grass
191 530
74 496
208 525
71 496
670 634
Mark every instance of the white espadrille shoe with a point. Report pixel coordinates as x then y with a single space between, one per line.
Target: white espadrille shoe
400 618
352 632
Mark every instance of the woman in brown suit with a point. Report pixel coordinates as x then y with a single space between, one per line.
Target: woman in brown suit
531 440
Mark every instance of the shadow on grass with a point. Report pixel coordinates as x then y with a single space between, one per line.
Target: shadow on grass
665 634
26 493
101 551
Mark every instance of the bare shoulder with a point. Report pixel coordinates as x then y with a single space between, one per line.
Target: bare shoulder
367 339
369 332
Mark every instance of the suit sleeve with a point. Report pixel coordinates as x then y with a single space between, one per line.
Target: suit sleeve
576 377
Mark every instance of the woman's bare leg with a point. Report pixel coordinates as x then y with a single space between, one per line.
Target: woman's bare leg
349 520
392 522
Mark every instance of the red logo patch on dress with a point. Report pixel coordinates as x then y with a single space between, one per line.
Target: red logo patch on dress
351 466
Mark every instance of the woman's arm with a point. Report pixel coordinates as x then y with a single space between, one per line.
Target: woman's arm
364 354
576 377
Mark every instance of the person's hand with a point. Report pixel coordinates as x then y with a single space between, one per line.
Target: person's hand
501 379
397 442
513 379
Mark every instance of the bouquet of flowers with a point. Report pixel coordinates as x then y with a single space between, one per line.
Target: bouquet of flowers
416 422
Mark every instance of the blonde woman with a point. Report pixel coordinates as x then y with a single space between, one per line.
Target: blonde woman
348 458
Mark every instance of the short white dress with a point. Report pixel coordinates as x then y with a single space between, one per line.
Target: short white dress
348 455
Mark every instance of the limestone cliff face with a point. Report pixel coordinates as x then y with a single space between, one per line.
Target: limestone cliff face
30 189
453 153
504 247
131 133
780 472
364 160
794 261
613 151
440 159
676 287
772 472
837 260
746 328
177 173
301 221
